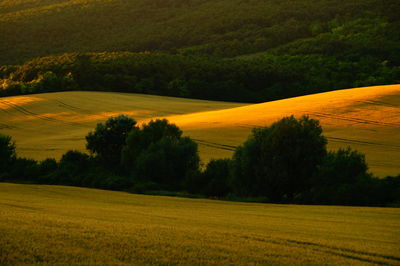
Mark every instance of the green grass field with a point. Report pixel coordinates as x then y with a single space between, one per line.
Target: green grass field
367 119
68 225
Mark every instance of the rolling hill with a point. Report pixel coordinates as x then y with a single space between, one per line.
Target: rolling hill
68 225
367 119
36 28
228 50
46 125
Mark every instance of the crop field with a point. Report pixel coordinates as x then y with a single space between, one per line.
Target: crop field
47 125
68 225
367 119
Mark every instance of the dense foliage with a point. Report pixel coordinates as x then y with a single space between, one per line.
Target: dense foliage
286 162
224 28
250 51
108 139
157 153
277 161
256 79
7 153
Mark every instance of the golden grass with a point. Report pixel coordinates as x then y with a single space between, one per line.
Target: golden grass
46 125
367 119
67 225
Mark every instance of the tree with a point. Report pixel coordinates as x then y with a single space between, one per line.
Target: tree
344 166
277 161
140 139
73 167
215 178
24 169
108 139
7 153
342 179
158 153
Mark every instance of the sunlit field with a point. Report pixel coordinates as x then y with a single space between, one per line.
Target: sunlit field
47 125
367 119
68 225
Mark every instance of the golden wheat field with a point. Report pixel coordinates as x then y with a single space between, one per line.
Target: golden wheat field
68 225
48 124
367 119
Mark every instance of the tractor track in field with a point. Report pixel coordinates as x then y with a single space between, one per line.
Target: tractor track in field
70 107
380 103
353 119
353 141
41 117
332 139
78 109
215 145
5 110
358 255
5 126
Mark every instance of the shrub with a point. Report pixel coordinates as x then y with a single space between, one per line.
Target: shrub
72 168
389 192
24 170
342 179
7 153
48 169
215 180
345 166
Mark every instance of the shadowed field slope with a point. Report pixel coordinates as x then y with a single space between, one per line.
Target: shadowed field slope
367 119
67 225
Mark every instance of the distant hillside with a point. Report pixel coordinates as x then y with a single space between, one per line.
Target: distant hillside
226 28
367 119
230 50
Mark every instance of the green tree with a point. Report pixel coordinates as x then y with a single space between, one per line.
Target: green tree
277 161
73 167
7 153
24 169
344 166
215 178
108 139
158 153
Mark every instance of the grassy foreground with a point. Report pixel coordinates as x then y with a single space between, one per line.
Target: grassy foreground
68 225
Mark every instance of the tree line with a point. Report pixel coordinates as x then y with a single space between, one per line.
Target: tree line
256 79
232 50
286 162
